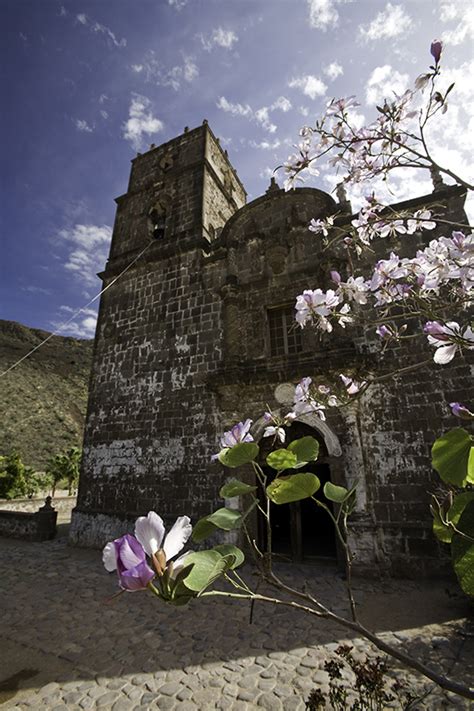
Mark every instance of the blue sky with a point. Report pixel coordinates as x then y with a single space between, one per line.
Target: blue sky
87 84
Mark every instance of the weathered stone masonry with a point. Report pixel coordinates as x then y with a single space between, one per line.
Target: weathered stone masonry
183 351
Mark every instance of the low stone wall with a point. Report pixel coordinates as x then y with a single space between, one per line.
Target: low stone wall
62 504
38 526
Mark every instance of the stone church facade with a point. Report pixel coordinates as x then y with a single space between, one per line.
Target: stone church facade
199 333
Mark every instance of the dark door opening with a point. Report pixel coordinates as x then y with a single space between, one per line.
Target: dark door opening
301 530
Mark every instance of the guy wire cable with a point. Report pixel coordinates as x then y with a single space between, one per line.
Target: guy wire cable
76 313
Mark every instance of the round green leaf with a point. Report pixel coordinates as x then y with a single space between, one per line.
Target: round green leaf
282 459
205 566
306 449
242 453
224 518
203 529
338 494
235 488
453 457
226 549
445 532
462 550
285 489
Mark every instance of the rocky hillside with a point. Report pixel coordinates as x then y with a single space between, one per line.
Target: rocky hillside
43 400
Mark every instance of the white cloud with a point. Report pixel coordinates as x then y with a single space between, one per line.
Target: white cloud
141 121
152 71
323 14
104 114
103 98
177 4
266 173
382 84
464 16
282 103
391 22
190 70
310 85
88 247
81 325
219 38
234 109
261 116
83 126
265 145
98 28
333 70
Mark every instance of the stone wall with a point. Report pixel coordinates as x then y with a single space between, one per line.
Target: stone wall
38 526
63 505
182 352
152 420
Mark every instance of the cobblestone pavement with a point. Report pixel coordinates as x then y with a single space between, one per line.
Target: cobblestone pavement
63 647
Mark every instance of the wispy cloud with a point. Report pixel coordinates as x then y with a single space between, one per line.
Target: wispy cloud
141 121
83 325
265 145
323 14
310 85
383 83
177 4
32 289
390 22
153 71
463 15
219 38
83 126
333 70
260 116
98 28
87 249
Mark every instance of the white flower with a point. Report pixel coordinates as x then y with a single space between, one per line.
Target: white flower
277 431
150 532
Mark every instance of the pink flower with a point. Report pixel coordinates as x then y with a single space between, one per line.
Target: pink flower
461 411
352 386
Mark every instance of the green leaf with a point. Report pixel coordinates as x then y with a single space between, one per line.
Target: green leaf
350 502
462 550
338 494
453 457
443 531
206 566
240 454
235 488
227 549
224 518
306 449
285 489
203 529
282 459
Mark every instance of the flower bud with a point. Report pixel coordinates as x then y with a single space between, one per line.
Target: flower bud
436 48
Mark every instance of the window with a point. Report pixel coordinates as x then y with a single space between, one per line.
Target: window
285 334
157 221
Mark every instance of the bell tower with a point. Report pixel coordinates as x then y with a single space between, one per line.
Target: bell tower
151 424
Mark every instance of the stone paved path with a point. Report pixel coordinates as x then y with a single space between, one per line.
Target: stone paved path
63 647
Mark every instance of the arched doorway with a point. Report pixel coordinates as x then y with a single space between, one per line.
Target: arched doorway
300 530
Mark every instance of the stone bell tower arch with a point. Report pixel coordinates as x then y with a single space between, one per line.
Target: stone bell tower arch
151 424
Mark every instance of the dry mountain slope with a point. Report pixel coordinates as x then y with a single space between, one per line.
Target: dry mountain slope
43 400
